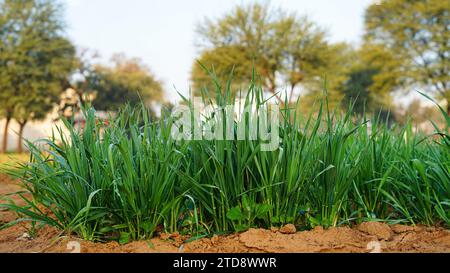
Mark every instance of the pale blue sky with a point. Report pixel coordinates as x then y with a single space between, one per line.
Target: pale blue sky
161 32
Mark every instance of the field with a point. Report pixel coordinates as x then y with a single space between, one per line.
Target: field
122 184
395 238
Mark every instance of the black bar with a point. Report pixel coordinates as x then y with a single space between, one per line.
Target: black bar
128 263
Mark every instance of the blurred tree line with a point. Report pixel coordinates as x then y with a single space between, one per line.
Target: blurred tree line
107 87
38 63
405 47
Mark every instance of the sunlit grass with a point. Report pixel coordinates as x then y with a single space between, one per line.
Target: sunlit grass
126 180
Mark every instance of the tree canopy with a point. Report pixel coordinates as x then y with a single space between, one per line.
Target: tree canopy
371 78
284 49
417 31
35 59
128 80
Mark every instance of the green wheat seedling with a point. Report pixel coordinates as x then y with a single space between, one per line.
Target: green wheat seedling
129 179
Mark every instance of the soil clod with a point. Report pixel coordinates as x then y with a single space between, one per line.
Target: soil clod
288 229
381 230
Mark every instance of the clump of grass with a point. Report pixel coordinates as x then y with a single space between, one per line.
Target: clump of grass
105 181
129 179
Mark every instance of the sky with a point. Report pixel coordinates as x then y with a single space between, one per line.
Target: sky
162 32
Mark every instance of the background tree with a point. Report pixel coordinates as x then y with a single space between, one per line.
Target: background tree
330 75
307 54
372 77
417 31
286 50
35 58
80 92
128 80
239 39
221 61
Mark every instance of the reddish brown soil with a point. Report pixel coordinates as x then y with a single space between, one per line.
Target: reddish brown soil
363 238
7 187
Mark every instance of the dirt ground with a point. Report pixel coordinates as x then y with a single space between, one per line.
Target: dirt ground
367 237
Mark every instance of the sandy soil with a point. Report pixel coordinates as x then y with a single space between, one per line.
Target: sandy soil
367 237
7 187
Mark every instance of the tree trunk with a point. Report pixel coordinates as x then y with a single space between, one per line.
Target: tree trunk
291 94
5 135
20 139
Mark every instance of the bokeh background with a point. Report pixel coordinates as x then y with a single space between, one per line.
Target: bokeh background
375 55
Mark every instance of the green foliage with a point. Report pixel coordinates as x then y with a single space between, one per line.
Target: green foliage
356 91
247 216
417 32
127 81
35 58
126 180
280 47
223 61
371 78
116 180
334 72
108 87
